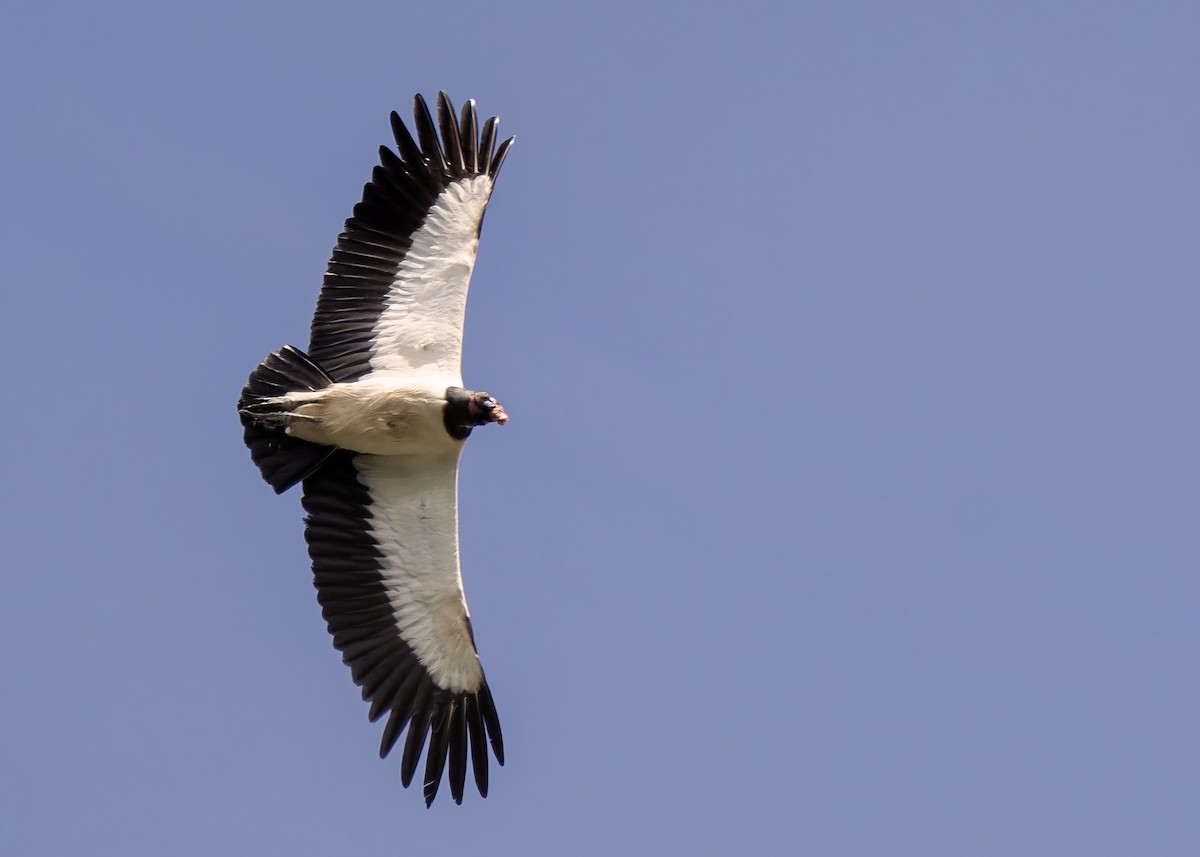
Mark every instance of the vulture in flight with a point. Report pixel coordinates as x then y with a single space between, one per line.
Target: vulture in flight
371 421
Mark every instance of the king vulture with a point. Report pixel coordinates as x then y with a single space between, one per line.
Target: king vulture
371 421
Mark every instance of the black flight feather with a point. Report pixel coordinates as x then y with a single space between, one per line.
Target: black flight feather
427 134
458 749
469 132
439 744
451 136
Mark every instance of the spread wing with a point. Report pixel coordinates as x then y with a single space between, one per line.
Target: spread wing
382 532
396 288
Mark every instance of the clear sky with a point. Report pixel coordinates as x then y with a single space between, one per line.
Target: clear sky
850 503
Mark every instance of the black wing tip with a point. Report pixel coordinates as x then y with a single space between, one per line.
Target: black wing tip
454 727
492 721
498 158
451 136
451 145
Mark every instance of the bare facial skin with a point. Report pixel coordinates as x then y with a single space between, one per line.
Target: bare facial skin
485 409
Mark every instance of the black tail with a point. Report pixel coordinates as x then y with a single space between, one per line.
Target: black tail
283 460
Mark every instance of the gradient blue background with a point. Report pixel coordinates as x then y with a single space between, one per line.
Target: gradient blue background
851 499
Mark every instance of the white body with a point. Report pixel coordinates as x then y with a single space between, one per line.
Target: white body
381 414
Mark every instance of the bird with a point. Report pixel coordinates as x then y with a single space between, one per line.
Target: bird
371 420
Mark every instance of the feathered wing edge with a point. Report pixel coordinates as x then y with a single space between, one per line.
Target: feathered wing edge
354 602
378 235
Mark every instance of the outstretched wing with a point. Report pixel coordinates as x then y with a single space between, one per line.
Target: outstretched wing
382 532
396 287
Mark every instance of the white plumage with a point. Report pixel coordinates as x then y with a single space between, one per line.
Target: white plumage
421 325
416 500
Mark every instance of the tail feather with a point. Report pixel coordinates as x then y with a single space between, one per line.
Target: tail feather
282 459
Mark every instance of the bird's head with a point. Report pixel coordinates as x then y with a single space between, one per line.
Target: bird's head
484 409
466 409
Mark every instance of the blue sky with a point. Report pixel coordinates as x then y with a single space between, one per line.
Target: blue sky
850 499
